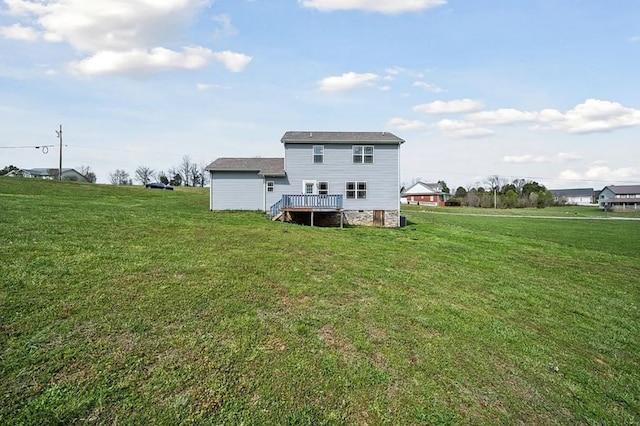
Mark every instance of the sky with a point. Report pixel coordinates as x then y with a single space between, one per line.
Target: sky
543 90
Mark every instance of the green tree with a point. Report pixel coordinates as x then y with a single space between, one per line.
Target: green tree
8 169
460 192
531 187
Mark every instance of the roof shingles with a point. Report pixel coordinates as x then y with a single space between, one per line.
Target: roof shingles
263 166
341 137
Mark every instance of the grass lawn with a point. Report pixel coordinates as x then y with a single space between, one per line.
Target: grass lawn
133 306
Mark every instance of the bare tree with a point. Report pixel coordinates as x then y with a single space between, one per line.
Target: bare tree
204 174
496 183
144 174
519 184
185 170
87 173
119 177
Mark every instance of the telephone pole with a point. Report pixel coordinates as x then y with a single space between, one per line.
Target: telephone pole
59 133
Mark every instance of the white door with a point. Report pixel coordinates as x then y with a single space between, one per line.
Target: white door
309 187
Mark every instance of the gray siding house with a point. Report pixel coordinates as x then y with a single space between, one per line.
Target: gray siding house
620 197
343 176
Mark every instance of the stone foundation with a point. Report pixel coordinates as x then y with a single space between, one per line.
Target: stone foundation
391 218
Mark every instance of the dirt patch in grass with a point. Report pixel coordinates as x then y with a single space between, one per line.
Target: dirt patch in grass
340 344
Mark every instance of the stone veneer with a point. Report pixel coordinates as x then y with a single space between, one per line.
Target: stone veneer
351 217
365 217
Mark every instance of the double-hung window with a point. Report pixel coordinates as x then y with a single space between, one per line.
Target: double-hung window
362 154
318 154
356 190
323 188
270 185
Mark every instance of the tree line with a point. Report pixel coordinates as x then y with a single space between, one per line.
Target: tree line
499 192
187 173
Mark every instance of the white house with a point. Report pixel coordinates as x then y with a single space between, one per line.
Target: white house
425 194
327 176
576 196
43 173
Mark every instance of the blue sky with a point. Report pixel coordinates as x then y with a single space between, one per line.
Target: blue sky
541 90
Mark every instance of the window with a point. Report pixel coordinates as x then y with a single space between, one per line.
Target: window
318 154
362 154
356 190
309 187
323 188
270 185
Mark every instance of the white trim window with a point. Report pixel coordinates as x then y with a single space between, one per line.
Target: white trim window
309 187
356 190
362 154
323 188
318 154
270 185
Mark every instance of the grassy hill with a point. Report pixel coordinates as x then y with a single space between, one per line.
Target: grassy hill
133 306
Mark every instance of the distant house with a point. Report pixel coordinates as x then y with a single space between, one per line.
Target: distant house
41 173
327 176
425 194
576 196
620 197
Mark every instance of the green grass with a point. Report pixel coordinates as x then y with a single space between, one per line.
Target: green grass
569 211
133 306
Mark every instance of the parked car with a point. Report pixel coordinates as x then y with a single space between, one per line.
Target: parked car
159 185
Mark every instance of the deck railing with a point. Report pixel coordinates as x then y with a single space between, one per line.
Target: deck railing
328 201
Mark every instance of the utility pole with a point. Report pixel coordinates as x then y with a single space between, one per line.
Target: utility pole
59 133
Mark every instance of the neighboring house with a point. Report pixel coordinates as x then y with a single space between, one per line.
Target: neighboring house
425 194
577 196
67 174
620 197
327 176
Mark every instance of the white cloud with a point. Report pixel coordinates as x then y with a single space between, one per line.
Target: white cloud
141 61
449 107
602 173
503 116
226 28
591 116
634 39
428 87
463 129
234 62
19 32
207 86
382 6
569 156
406 125
394 71
561 157
121 30
523 159
347 81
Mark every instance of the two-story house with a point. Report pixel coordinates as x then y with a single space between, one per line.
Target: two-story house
620 197
329 176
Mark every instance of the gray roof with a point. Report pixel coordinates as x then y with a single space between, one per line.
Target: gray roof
341 137
624 189
47 172
576 192
263 166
